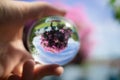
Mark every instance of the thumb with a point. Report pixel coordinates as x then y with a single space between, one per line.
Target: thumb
21 11
35 10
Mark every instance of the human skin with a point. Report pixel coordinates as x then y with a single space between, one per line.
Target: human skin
14 58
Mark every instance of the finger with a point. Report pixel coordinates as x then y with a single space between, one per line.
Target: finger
28 70
18 70
14 77
44 70
40 9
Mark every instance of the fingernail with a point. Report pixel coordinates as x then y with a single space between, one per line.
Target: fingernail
59 70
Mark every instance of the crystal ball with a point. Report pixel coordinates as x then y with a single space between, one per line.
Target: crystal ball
53 40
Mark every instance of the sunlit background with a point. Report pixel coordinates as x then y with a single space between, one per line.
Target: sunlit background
98 23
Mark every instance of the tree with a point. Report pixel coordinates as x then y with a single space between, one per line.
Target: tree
116 8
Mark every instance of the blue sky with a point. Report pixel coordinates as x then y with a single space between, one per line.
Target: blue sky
107 31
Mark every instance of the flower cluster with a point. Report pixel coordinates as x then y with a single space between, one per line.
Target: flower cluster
55 40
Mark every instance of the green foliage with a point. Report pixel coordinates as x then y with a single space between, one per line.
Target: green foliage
112 2
117 14
116 9
60 26
75 35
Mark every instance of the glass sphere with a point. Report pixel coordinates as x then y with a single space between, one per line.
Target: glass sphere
53 40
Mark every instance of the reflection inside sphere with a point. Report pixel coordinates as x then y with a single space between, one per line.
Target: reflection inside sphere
53 40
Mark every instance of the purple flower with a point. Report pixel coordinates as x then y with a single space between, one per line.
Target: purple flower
55 40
